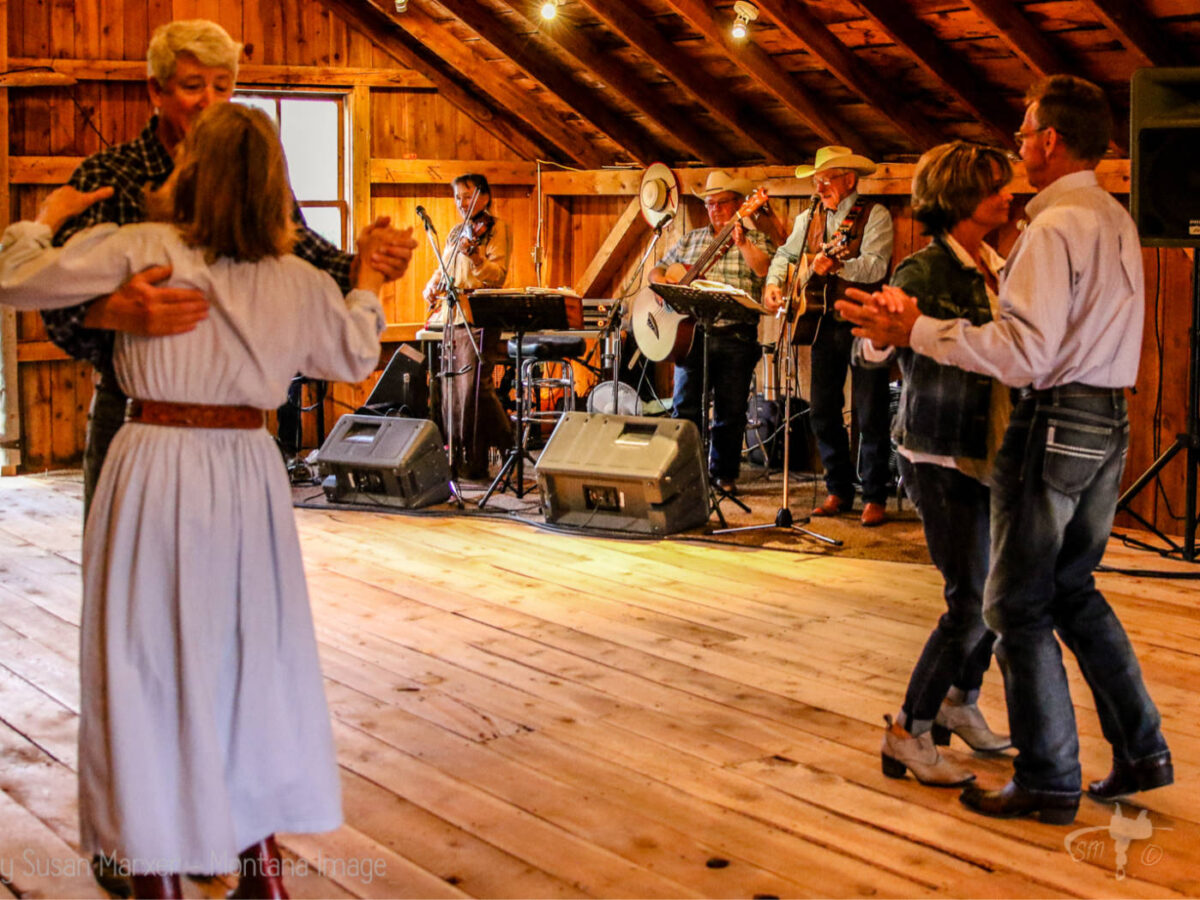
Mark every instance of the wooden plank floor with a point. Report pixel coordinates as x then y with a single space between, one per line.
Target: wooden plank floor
527 714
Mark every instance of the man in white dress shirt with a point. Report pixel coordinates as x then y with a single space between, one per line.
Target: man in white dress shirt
1069 336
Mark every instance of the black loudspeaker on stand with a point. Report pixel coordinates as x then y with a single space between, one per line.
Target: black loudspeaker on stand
1164 200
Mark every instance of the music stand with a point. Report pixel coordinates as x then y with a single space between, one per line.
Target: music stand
706 306
783 516
520 311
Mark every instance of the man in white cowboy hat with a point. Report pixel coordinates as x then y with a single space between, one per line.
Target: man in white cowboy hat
733 348
849 243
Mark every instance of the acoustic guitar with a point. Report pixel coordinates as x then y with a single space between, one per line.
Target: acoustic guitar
661 332
810 297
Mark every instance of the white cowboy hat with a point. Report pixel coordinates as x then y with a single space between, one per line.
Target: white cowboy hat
719 182
658 194
836 158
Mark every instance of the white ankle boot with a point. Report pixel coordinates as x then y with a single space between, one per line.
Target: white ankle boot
965 720
901 752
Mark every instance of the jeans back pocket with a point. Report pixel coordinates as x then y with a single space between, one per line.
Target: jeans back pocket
1075 452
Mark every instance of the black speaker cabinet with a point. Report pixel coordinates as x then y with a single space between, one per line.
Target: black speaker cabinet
403 388
1164 189
386 461
624 473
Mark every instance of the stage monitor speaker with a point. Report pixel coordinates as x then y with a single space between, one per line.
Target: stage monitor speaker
384 461
403 388
1164 189
624 473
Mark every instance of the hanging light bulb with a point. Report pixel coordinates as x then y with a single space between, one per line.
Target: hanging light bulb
549 9
745 13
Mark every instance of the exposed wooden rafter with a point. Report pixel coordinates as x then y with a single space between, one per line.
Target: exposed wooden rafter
1137 33
378 26
822 121
626 84
1021 37
952 74
588 104
627 21
806 28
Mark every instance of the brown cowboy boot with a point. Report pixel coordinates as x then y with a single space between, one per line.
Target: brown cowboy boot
260 873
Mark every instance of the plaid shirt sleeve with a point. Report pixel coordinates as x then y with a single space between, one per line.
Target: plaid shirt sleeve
127 169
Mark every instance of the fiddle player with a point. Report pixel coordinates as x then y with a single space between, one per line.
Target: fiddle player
733 349
864 229
476 253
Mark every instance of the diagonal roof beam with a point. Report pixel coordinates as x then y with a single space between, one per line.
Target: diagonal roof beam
1138 33
758 65
631 88
1021 37
627 21
556 78
952 74
803 26
374 25
435 39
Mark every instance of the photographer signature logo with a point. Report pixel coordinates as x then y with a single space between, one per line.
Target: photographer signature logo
1123 831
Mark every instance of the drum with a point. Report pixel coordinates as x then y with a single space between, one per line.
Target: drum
600 399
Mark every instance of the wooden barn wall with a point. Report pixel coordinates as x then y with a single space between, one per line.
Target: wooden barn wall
418 124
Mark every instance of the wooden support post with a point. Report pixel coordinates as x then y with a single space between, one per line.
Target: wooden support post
10 415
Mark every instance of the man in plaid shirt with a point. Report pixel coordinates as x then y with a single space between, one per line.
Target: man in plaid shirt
191 65
733 348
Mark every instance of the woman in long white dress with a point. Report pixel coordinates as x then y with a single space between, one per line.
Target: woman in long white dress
203 724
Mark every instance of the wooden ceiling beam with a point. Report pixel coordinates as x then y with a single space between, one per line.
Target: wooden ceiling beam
248 73
752 60
1021 36
379 27
952 74
796 21
1137 32
631 88
589 104
627 21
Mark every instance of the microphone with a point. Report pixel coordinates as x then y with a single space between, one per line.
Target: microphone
664 221
424 217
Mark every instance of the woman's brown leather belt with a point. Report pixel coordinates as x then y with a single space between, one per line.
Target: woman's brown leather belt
193 415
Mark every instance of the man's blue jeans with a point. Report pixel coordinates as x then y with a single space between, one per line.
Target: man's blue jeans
1053 501
954 514
105 416
869 386
732 356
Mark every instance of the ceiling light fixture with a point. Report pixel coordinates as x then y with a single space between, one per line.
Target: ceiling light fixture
401 6
746 13
549 9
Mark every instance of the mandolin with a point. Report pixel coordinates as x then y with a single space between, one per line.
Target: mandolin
661 332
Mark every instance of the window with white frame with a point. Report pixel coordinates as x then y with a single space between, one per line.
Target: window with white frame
313 130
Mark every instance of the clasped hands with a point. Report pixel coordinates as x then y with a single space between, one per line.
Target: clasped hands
885 318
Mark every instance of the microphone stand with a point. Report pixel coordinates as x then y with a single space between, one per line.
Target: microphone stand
445 366
783 516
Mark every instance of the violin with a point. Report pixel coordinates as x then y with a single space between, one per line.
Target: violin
475 231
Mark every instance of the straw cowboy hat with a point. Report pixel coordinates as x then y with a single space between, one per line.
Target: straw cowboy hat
719 182
836 158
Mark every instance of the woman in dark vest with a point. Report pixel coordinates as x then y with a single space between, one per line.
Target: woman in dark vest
948 429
